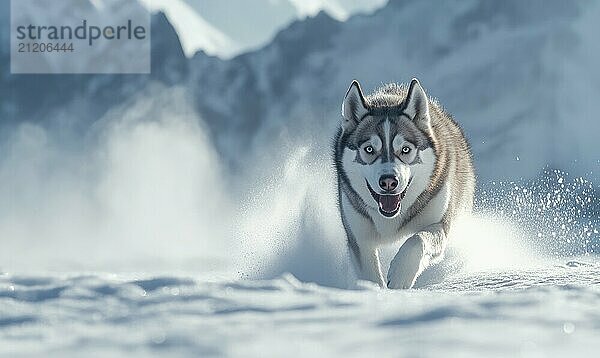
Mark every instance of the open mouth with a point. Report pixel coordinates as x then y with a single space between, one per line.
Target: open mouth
389 204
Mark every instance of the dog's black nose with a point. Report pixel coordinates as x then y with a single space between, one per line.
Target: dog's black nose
388 182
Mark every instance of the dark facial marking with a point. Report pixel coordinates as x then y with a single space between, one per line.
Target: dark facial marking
374 123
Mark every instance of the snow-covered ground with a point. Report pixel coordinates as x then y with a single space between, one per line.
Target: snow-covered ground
545 311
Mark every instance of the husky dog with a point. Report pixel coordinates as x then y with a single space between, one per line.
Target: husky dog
405 173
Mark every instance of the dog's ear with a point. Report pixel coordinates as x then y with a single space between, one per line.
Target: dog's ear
416 106
353 107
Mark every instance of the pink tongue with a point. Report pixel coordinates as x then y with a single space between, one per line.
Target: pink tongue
389 203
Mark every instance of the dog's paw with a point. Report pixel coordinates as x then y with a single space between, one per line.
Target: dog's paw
407 264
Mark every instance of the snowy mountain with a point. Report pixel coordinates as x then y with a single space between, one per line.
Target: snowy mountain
193 30
228 28
516 75
519 76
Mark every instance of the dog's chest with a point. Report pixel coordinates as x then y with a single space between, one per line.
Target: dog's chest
388 230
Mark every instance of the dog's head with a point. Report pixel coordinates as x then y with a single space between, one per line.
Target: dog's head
387 144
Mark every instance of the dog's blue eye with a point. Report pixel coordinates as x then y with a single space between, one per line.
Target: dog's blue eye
405 150
369 149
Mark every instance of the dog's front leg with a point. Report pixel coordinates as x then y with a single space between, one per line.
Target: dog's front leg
361 236
366 262
371 266
415 255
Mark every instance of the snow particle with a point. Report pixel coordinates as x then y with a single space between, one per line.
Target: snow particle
159 338
568 327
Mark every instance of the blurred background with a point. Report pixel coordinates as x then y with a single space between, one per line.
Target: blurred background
236 120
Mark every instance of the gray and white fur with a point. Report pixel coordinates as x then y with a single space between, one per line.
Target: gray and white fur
405 174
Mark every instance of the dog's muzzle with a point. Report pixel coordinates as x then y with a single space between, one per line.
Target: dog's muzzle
389 204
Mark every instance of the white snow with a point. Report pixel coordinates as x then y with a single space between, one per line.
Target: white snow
219 30
194 32
549 312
